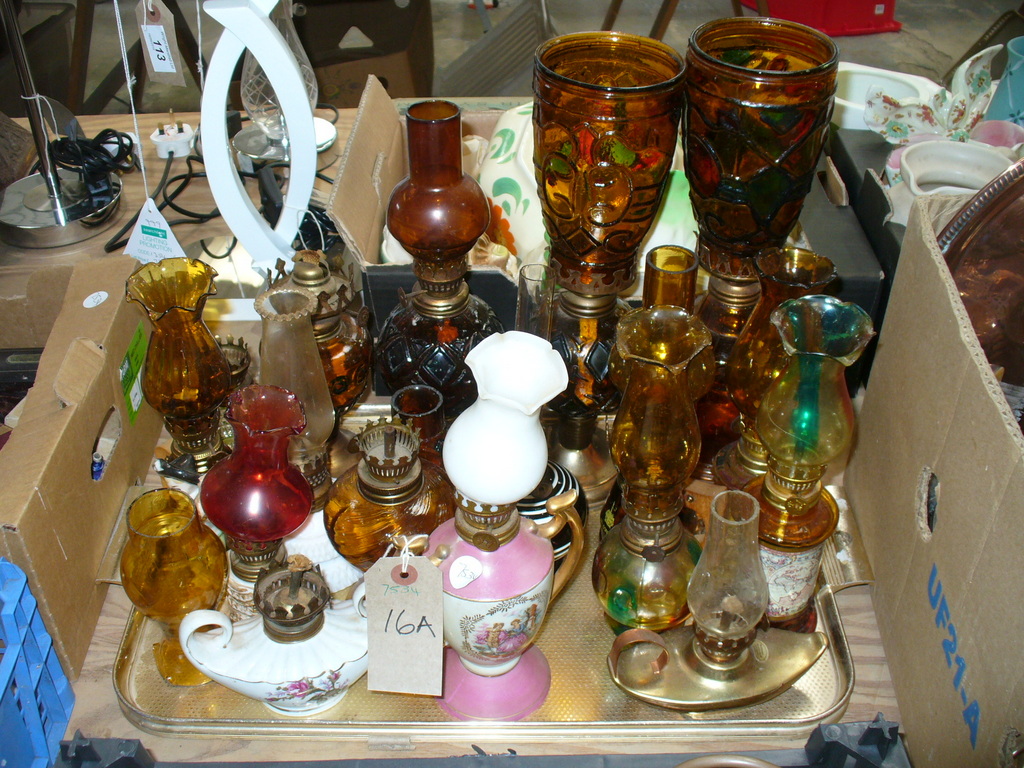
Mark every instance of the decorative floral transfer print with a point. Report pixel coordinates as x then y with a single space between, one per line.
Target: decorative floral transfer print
500 230
310 690
950 113
503 631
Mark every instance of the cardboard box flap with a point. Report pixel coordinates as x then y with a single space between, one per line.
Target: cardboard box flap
936 481
26 316
372 165
82 365
94 294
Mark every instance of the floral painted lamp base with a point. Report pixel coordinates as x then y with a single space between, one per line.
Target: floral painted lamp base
511 696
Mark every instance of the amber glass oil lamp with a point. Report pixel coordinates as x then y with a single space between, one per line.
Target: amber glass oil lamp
805 422
186 376
340 327
758 356
436 213
642 565
388 498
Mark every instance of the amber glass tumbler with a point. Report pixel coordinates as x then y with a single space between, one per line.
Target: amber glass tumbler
759 96
605 116
172 564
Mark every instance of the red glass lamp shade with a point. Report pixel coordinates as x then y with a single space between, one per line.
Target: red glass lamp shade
254 494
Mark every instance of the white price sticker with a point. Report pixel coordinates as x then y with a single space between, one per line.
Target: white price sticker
159 48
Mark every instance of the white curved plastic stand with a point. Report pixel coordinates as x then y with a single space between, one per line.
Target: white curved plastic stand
247 25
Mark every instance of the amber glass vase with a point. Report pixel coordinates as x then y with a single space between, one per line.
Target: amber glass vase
606 115
389 498
605 123
759 96
805 422
758 356
436 213
172 564
643 563
186 376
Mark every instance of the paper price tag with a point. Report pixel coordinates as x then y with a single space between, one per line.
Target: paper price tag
159 48
159 42
404 607
152 239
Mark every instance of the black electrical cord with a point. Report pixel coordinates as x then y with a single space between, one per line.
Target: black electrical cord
334 109
109 151
228 252
171 187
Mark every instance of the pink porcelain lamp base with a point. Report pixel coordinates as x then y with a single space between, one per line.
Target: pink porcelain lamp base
512 696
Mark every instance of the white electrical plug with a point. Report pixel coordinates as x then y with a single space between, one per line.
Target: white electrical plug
173 138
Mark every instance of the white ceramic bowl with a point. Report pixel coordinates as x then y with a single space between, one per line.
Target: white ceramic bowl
855 81
950 167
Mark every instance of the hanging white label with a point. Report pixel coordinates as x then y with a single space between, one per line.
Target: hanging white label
159 48
152 239
159 42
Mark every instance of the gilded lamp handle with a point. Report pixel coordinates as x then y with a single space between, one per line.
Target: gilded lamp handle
562 510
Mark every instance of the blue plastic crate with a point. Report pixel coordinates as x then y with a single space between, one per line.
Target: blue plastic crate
36 698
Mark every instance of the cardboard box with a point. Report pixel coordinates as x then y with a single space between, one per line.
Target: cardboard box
398 49
55 520
936 481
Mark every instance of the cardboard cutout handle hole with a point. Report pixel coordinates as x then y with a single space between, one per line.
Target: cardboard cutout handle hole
106 442
927 502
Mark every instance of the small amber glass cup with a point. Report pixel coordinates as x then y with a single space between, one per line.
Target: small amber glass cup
422 407
670 277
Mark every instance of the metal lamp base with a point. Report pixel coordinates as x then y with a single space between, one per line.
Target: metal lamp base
253 142
29 218
591 464
668 671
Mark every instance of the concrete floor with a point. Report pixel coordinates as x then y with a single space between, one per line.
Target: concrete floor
934 35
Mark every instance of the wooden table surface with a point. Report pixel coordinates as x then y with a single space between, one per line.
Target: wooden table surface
97 714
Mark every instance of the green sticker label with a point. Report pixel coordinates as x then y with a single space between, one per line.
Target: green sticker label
131 372
154 232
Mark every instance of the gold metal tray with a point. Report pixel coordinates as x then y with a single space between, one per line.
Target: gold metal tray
584 702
